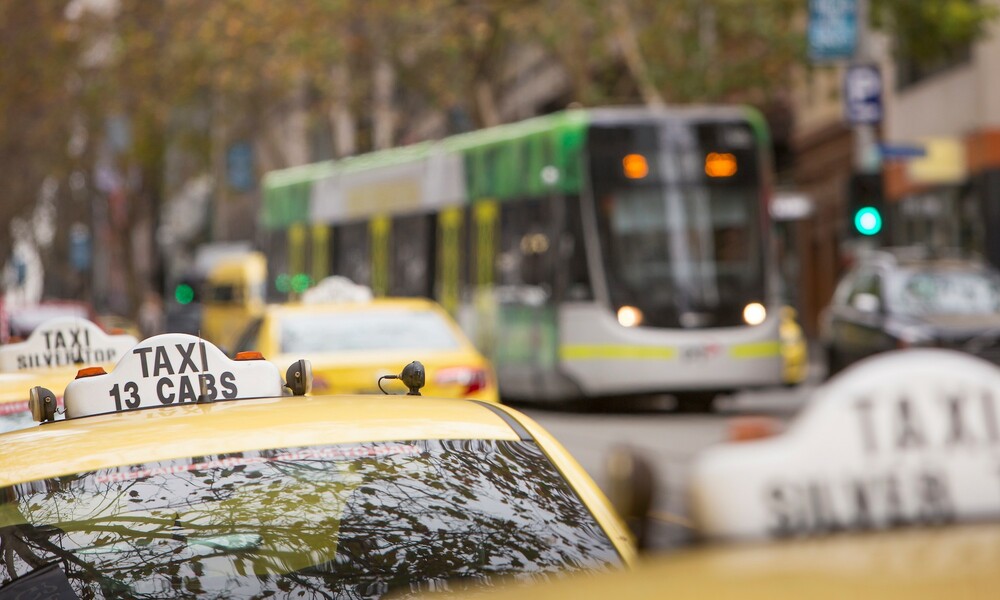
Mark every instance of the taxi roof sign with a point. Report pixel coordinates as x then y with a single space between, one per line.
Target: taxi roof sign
64 342
171 369
904 438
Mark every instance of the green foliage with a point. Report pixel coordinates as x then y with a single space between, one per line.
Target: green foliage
932 30
173 70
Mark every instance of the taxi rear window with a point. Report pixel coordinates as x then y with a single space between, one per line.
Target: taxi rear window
375 330
357 521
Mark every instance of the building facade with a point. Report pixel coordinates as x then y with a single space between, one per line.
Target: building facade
937 151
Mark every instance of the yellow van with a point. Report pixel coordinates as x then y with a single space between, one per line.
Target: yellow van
234 294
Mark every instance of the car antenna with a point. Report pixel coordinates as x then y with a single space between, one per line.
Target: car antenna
413 377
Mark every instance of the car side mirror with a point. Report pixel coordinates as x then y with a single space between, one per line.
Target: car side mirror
299 377
630 489
866 303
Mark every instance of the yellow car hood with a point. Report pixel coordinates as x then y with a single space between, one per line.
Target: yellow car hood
947 562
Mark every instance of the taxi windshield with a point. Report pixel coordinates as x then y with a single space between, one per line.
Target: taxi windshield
357 521
365 330
945 292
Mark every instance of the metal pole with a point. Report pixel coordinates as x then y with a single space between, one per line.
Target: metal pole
866 157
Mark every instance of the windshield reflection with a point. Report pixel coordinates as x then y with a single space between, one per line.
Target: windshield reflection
355 521
373 330
945 292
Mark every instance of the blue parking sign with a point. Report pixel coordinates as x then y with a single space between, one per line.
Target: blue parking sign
862 95
239 166
833 29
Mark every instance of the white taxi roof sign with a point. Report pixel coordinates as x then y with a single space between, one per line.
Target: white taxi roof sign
905 438
64 342
171 369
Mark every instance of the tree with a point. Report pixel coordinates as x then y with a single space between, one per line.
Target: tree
189 77
38 95
930 31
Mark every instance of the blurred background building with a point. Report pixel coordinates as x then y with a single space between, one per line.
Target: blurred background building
145 127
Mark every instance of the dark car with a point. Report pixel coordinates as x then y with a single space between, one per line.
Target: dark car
892 299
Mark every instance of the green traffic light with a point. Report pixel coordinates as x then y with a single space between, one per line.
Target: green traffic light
868 221
300 282
184 294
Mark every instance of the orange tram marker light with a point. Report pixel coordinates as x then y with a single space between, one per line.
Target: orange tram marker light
720 164
635 166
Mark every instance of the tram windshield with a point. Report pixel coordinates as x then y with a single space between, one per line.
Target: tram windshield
678 208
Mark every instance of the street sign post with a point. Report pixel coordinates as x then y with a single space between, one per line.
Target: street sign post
862 95
901 151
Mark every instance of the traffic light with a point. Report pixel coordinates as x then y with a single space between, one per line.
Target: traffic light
183 293
866 204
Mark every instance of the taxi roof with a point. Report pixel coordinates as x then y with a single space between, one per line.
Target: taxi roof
351 306
115 439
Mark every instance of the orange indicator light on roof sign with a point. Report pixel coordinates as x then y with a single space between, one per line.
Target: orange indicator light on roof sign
90 372
249 355
635 166
720 164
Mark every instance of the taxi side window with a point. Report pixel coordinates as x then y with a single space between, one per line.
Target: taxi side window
867 286
223 293
524 257
843 292
250 338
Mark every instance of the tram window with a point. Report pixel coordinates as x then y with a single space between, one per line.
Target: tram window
277 261
525 252
578 277
412 250
352 252
468 267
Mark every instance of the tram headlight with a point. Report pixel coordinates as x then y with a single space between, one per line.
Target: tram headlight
754 313
629 316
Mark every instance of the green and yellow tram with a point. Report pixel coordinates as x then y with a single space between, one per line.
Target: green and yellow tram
589 253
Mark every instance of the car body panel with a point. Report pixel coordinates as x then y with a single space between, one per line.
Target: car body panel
929 563
357 372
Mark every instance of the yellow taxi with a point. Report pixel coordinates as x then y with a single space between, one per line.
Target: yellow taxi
886 486
352 344
14 413
184 473
50 357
